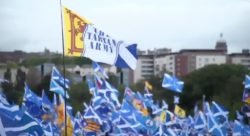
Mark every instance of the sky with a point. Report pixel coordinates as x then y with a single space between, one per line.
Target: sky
32 25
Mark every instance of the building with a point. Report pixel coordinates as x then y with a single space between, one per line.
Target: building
164 62
144 67
242 58
188 60
180 63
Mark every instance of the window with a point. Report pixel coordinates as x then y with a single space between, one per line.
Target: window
179 69
199 59
178 59
179 74
213 59
171 58
170 63
178 64
164 65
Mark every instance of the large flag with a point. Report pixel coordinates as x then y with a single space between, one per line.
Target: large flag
82 39
172 83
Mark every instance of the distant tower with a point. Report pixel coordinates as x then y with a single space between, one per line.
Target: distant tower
221 44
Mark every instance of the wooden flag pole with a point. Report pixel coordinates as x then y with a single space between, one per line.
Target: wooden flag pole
65 90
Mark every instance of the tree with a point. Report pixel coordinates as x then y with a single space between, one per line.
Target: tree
20 79
33 77
221 83
11 64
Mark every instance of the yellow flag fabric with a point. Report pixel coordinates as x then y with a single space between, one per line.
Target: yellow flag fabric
150 87
61 116
74 27
69 128
247 100
163 115
179 111
144 112
92 126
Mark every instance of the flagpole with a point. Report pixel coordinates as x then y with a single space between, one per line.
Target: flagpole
65 90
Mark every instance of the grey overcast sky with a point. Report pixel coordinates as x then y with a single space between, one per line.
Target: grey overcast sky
32 25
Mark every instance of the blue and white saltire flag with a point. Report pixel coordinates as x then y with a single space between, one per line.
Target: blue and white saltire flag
92 88
176 99
215 127
31 96
200 122
247 82
98 68
164 105
55 87
27 125
172 83
237 130
92 115
108 50
219 111
45 101
124 125
239 116
159 132
9 110
3 98
56 76
196 111
2 80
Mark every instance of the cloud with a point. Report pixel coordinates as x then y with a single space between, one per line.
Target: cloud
34 25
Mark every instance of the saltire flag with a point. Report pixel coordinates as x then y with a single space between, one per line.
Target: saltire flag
98 68
56 76
172 83
176 99
82 39
45 101
27 125
247 82
246 96
55 87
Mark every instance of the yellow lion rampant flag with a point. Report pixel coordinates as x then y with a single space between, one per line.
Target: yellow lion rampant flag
179 111
69 128
149 86
74 27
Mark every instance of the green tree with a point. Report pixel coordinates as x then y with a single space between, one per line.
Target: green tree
11 64
221 83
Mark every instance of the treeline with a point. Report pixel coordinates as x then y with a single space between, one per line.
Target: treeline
57 60
220 83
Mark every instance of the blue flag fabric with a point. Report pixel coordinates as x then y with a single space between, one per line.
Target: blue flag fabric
27 125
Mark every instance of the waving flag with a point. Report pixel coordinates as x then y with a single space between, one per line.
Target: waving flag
34 110
31 96
45 101
219 111
246 110
237 128
55 87
98 68
176 99
172 83
179 111
247 82
239 116
215 127
9 110
26 125
246 96
56 76
84 40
